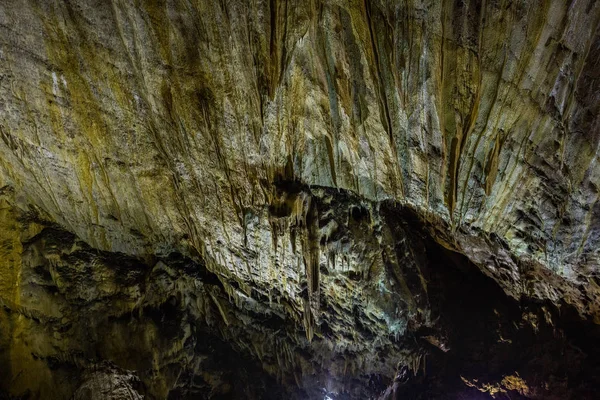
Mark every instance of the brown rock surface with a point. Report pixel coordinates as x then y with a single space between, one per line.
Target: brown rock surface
284 198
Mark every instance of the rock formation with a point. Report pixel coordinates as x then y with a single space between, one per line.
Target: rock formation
299 199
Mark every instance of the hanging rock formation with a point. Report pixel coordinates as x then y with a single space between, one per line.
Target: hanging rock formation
299 199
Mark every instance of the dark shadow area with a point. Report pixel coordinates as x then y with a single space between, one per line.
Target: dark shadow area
504 348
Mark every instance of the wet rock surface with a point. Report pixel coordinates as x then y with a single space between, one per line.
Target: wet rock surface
299 199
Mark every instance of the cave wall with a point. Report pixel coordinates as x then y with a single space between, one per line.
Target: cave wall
279 146
420 321
183 330
147 126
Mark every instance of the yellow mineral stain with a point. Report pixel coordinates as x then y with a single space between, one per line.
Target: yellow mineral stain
24 372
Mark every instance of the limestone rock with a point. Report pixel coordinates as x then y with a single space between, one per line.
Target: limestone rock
287 178
107 383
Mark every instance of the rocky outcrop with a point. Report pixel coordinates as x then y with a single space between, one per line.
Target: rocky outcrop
83 322
156 316
278 184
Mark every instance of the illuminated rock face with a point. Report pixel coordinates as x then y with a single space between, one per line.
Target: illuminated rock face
247 198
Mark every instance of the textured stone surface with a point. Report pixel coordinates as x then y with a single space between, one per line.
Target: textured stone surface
82 306
299 154
107 383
